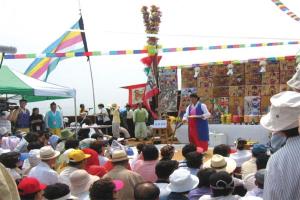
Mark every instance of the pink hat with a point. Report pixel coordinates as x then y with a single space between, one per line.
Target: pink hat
118 185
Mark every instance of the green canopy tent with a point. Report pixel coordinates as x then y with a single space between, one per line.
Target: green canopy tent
16 83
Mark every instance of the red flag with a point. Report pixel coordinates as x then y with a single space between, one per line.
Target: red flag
151 88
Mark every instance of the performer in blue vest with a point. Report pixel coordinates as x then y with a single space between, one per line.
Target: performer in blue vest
54 120
197 115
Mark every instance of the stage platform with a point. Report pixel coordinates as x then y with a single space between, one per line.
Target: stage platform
228 133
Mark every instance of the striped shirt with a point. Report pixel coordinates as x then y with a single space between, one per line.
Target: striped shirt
283 172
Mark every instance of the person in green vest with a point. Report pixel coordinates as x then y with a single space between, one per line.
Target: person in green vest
54 120
140 116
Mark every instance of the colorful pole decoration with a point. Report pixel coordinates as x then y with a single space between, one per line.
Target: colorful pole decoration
148 49
151 22
286 10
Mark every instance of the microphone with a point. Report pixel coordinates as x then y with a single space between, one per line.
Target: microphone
7 49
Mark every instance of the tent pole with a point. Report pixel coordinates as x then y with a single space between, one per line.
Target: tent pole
75 112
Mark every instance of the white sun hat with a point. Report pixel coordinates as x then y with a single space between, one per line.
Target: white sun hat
284 112
181 180
281 118
286 99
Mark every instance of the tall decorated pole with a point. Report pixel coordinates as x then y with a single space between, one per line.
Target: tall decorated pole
151 22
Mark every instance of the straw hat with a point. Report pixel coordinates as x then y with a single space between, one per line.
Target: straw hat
114 106
48 153
181 180
294 82
81 181
220 163
119 155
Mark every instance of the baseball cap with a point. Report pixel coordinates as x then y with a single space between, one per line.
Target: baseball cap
30 185
259 148
77 155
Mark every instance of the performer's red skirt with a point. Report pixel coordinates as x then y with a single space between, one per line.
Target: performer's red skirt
193 135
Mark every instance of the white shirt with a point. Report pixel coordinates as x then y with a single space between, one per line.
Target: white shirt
83 196
164 191
282 176
103 114
249 181
64 176
44 174
102 160
206 114
230 197
249 167
129 114
256 192
241 156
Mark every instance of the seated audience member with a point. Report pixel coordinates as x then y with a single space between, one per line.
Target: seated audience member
9 142
11 160
185 150
8 187
222 185
167 152
36 145
242 155
93 159
203 186
146 167
227 164
222 149
105 189
97 136
86 143
146 190
139 156
163 170
261 163
63 159
71 144
32 161
66 134
249 166
193 162
77 161
58 191
259 182
43 137
80 183
181 183
31 189
83 134
119 159
44 170
96 170
99 147
53 140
